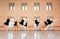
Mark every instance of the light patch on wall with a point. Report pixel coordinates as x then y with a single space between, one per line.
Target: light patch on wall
24 6
36 6
11 7
49 6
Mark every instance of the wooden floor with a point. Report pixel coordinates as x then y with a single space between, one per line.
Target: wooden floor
29 34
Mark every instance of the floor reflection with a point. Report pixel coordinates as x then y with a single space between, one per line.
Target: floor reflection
23 34
36 35
10 35
51 35
29 34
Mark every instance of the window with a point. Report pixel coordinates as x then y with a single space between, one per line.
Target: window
36 6
49 6
24 6
11 6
